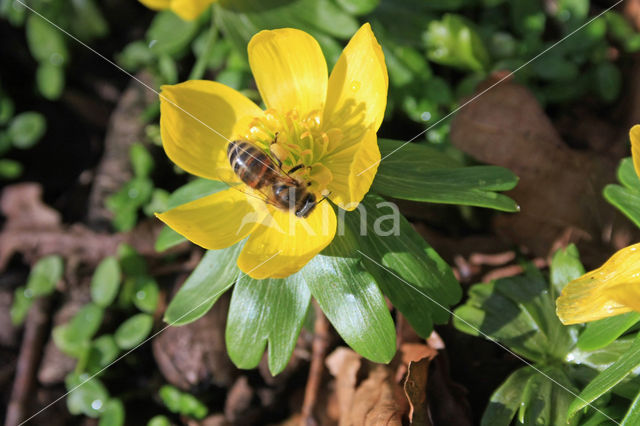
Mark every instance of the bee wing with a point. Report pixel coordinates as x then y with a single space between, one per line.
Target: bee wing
264 196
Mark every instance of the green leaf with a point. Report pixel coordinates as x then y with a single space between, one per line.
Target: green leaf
9 169
146 294
572 12
106 282
45 275
6 109
627 174
602 358
87 396
170 35
192 407
323 19
102 352
261 311
518 312
608 378
599 334
50 80
113 414
26 129
565 267
607 80
351 300
124 203
413 276
135 55
454 42
20 306
358 7
553 66
131 262
505 401
216 272
141 160
159 420
158 203
418 173
167 238
626 200
133 331
46 42
527 17
73 337
170 396
633 415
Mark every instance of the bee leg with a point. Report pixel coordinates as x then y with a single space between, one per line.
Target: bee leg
295 168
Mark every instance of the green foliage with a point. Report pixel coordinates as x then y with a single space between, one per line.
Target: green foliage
105 282
454 42
519 313
626 197
136 193
133 331
42 281
181 403
420 173
26 129
278 308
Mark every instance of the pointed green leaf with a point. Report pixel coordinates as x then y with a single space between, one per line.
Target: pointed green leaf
102 352
608 378
418 173
627 174
44 276
408 271
262 311
133 331
351 300
113 414
633 415
146 294
453 41
216 272
626 200
87 396
20 305
505 401
565 267
600 358
170 35
168 238
46 42
599 334
106 282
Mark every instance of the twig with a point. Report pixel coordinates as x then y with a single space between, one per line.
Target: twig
318 353
35 334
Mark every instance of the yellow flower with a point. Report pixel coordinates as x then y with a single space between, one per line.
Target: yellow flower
612 289
327 124
186 9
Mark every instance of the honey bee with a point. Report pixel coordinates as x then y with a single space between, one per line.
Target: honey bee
259 171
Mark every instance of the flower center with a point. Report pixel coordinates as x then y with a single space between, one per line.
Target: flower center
299 142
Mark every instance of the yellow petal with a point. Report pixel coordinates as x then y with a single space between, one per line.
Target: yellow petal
218 220
603 292
156 4
284 243
349 184
634 135
189 9
197 120
357 93
289 69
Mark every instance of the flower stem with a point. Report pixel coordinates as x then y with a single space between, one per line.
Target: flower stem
199 68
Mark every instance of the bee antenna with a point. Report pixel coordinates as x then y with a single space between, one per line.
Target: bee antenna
324 197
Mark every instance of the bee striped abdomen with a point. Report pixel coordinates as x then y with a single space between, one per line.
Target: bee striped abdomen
250 163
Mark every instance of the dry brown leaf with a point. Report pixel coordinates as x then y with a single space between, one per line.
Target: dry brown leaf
415 388
343 364
206 360
559 188
376 401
